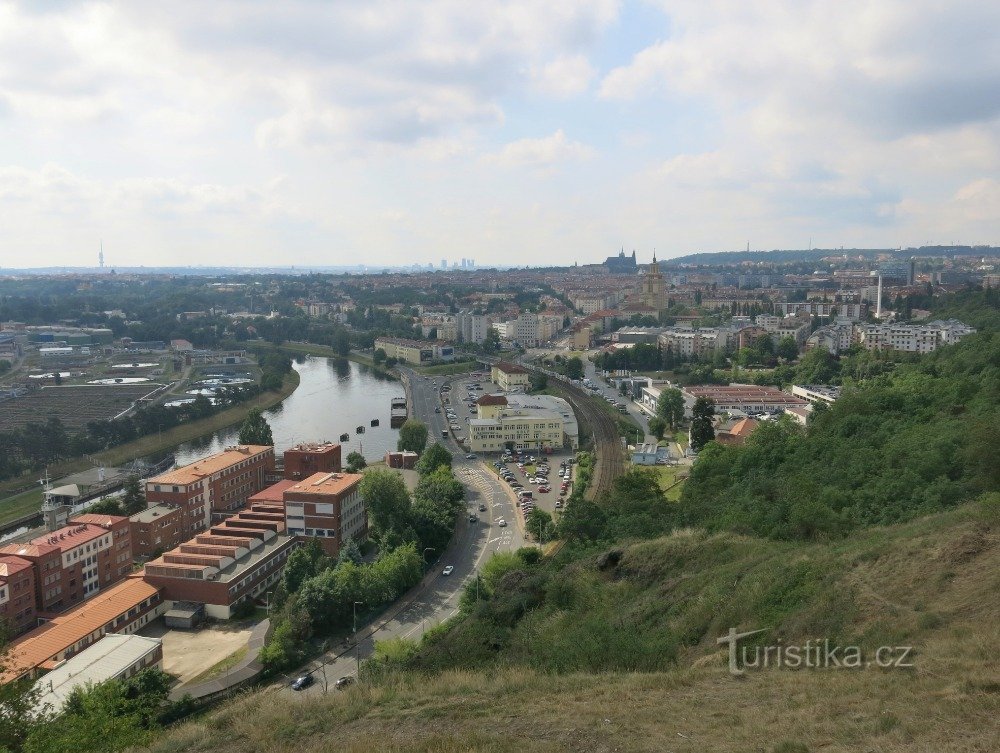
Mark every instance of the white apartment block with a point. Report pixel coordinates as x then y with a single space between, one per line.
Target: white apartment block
911 338
472 328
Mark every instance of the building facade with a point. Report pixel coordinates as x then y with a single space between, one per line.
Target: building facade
509 376
303 460
17 593
522 422
327 507
415 351
155 530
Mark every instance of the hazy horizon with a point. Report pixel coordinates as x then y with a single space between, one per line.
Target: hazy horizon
533 133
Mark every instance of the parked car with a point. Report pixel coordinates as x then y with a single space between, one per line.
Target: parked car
448 570
344 681
544 489
473 518
482 508
303 682
559 504
471 456
502 523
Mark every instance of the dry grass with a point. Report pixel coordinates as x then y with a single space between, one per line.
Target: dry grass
932 584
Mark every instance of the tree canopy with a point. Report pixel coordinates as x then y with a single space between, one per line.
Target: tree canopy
255 429
412 436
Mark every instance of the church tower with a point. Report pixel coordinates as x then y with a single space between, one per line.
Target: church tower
652 290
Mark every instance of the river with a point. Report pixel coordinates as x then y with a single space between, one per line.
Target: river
333 397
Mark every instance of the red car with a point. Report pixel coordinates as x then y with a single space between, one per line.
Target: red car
544 489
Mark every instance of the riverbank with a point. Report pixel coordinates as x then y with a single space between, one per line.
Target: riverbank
23 503
311 349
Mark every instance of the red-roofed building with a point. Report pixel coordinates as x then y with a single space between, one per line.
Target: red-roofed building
737 433
76 561
17 593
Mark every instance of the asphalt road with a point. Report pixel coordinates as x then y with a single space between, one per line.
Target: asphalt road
436 598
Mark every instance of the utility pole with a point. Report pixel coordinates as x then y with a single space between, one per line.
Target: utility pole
357 652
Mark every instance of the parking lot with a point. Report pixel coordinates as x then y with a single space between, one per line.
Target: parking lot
533 472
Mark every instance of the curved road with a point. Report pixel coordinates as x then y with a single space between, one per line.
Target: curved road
436 598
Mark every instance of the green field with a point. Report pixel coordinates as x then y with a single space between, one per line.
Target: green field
445 369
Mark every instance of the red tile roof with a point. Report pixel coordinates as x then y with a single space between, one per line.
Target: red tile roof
492 400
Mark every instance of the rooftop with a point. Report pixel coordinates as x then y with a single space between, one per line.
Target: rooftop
106 659
319 447
152 513
83 529
207 466
72 626
510 368
326 483
10 565
274 494
234 570
492 400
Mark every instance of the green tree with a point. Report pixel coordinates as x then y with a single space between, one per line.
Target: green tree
389 508
355 462
538 381
582 520
255 429
702 429
670 406
574 368
379 356
412 436
491 343
787 348
657 427
539 524
350 552
433 458
133 500
303 563
342 343
18 698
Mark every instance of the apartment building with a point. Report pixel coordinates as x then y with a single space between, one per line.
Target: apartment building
76 561
17 593
509 376
415 351
817 393
833 337
213 487
472 328
328 507
522 422
911 338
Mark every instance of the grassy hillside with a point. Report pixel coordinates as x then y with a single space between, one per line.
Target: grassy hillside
930 584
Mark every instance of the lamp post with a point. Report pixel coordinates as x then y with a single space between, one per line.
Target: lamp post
424 555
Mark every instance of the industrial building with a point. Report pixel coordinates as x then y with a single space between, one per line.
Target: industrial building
743 398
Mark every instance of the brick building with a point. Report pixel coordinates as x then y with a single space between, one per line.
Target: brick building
212 488
236 560
17 593
303 460
75 562
155 530
327 506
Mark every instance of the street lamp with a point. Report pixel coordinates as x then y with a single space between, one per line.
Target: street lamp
424 555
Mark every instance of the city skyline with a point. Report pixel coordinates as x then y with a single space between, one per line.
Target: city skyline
529 134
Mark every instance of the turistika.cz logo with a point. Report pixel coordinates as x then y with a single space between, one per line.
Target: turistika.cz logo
813 654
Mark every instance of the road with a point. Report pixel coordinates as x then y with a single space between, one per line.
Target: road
436 598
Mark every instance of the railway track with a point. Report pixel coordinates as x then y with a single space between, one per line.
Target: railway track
609 462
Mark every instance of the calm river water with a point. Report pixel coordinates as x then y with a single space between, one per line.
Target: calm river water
333 397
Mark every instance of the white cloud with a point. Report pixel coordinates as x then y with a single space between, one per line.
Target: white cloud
564 77
544 153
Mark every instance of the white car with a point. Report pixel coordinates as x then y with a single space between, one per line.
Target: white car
502 523
448 570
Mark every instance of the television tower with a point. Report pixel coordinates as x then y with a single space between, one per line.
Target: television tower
100 256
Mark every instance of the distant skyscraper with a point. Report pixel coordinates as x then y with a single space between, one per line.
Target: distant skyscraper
100 256
444 264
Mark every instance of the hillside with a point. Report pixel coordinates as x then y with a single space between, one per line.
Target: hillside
929 583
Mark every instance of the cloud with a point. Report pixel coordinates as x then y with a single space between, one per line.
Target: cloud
564 77
542 153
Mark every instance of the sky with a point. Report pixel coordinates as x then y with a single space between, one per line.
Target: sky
517 133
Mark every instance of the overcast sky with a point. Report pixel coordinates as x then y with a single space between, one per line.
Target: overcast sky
520 132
